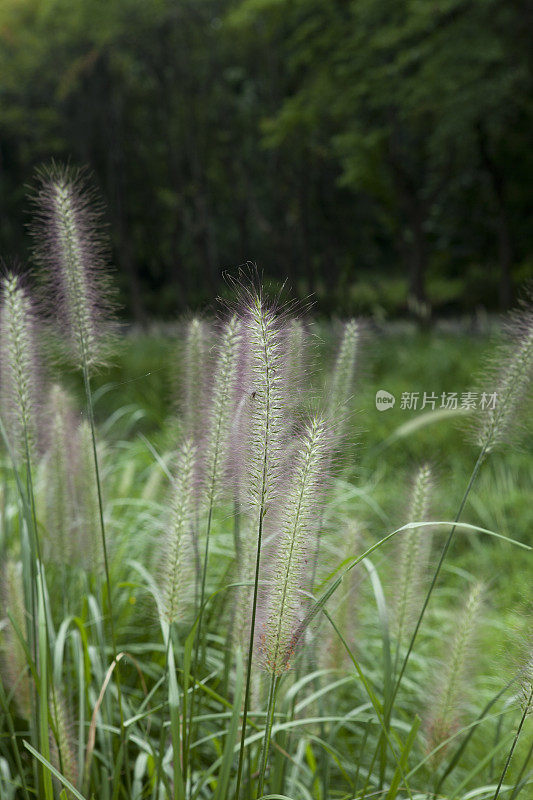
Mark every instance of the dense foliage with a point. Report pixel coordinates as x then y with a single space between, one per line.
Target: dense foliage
324 719
376 152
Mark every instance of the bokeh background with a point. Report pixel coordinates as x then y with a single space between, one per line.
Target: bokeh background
376 153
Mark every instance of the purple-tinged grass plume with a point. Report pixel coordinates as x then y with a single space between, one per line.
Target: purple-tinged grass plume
61 480
195 377
413 551
283 610
296 358
177 556
220 410
217 425
19 368
282 613
15 672
444 711
71 247
344 370
71 509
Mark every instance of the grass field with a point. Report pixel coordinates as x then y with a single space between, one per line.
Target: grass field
329 738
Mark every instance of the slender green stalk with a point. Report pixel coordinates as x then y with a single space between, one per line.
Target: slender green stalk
90 412
274 685
187 739
250 656
519 785
13 739
43 636
527 708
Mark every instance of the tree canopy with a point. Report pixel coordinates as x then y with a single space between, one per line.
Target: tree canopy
375 152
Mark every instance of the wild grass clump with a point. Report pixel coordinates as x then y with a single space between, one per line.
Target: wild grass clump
223 609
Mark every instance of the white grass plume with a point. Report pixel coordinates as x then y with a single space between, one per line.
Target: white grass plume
413 552
177 556
509 380
19 368
221 410
195 375
15 670
444 708
266 408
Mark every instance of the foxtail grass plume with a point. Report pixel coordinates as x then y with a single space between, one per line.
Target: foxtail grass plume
342 377
71 247
283 610
19 368
243 592
195 377
264 404
413 552
296 344
177 556
526 686
15 673
220 410
70 496
62 743
508 383
62 507
444 708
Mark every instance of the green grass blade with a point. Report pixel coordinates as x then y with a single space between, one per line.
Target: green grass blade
174 707
402 765
51 770
231 738
44 727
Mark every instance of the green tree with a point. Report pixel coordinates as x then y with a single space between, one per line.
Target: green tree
414 98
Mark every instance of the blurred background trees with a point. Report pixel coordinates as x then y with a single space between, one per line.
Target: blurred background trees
378 153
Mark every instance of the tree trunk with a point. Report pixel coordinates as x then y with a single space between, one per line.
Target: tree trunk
413 243
503 228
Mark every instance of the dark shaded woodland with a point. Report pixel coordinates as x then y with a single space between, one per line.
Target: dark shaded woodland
377 153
